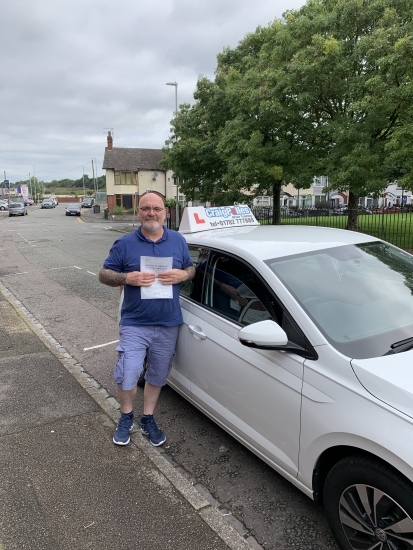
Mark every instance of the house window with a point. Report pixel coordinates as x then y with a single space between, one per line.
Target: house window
320 181
125 178
263 200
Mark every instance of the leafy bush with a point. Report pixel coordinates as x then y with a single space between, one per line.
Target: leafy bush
117 210
121 210
170 203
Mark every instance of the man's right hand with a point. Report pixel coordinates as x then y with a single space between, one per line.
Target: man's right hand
134 278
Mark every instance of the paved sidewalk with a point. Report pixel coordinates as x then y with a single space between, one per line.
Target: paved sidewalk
63 484
123 224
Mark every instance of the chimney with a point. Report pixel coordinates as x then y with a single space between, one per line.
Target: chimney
110 140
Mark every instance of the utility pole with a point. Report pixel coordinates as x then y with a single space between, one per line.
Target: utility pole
97 183
177 179
35 186
83 182
94 180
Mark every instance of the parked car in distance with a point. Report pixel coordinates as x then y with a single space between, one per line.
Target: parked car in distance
88 202
28 202
73 209
343 210
54 199
17 209
262 212
47 203
4 204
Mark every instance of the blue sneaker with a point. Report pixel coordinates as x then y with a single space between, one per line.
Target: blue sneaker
150 429
125 425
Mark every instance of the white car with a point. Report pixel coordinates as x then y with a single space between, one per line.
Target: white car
298 341
4 204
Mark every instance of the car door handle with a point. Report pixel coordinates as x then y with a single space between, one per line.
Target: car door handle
197 332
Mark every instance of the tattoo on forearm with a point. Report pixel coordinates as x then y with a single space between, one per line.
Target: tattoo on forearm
112 278
190 272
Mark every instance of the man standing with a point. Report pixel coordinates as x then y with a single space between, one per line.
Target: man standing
150 263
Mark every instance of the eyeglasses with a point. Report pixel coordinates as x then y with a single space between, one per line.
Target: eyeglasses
157 209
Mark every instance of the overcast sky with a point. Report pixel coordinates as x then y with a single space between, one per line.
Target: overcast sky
71 70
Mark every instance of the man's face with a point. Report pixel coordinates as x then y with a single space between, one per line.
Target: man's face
151 219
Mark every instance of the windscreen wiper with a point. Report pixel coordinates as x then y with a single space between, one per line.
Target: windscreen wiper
401 345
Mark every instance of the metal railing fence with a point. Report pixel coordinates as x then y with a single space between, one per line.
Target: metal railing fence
394 225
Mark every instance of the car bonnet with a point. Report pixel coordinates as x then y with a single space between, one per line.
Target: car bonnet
389 378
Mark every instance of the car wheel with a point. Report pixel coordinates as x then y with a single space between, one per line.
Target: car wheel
1 207
369 505
67 214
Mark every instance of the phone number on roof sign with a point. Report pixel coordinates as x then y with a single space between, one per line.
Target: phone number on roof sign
233 221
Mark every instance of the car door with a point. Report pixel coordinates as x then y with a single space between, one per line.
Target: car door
254 394
179 377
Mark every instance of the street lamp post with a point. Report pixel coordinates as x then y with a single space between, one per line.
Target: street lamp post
177 179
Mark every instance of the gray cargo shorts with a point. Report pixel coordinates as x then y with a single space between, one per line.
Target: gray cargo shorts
135 342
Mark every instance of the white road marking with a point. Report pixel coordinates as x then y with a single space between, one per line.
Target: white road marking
65 267
20 273
101 345
92 273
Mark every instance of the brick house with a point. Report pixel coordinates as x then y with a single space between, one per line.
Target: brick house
132 172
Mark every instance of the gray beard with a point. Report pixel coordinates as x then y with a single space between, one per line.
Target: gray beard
152 227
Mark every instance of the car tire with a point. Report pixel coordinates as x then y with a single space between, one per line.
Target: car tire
67 214
363 500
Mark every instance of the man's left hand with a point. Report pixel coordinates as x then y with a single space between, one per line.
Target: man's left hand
173 276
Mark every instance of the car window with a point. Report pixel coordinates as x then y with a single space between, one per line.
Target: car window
193 289
233 290
359 296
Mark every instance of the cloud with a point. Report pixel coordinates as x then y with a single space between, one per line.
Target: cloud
73 69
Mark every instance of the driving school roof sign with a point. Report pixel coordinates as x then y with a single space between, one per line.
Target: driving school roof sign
200 218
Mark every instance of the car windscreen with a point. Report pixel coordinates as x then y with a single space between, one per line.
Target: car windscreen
359 296
72 206
15 205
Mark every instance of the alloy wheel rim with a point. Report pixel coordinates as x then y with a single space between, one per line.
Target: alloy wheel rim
372 520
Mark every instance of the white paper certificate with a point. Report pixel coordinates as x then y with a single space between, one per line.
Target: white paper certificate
157 290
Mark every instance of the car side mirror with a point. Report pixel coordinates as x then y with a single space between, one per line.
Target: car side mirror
263 335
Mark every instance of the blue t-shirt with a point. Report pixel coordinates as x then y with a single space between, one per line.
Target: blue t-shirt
125 256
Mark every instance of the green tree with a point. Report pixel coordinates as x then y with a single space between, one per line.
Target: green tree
351 75
325 90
